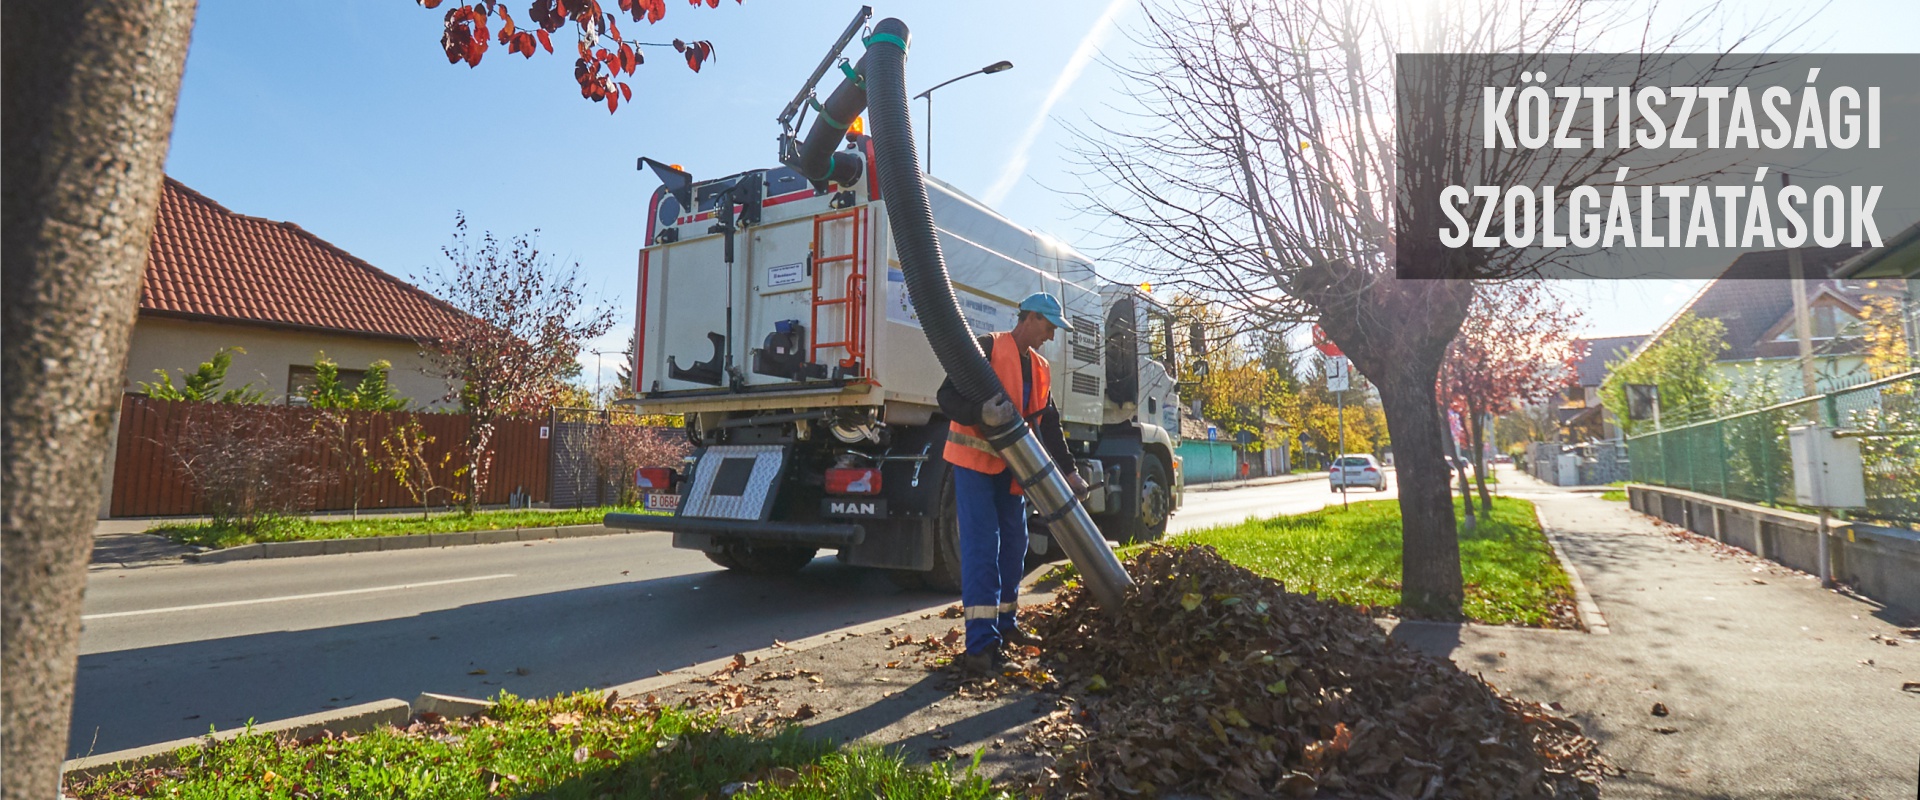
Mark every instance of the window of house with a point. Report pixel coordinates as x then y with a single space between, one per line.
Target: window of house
300 379
1827 322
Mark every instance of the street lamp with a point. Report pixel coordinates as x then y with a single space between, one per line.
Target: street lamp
997 66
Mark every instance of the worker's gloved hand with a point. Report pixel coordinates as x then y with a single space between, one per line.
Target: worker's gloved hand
998 411
1078 485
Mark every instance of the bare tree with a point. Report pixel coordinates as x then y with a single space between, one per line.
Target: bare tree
90 88
1261 166
248 462
512 350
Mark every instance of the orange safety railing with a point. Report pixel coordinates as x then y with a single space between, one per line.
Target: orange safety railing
853 300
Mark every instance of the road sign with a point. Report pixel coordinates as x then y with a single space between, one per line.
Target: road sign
1323 344
1339 373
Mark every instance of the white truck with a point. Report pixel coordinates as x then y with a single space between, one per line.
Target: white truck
784 334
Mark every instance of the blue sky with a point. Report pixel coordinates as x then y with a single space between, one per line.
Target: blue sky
347 120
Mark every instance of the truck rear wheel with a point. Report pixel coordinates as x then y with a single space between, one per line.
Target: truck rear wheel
763 559
1156 504
945 575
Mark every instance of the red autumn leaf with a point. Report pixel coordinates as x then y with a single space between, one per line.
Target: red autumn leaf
655 10
679 45
613 101
430 4
544 41
526 44
713 3
626 91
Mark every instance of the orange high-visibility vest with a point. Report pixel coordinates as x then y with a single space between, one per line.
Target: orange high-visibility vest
967 445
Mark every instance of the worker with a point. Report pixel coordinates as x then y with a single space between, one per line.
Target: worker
992 510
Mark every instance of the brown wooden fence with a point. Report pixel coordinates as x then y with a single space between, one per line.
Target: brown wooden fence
148 479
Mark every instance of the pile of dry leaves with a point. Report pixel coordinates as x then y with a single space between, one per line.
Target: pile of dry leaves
1216 681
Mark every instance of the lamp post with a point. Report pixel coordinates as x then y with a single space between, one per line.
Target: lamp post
597 373
997 66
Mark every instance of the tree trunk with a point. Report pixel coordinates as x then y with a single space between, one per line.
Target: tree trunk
1430 547
90 88
1479 433
1467 521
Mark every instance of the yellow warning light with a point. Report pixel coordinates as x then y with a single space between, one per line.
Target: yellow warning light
678 168
858 127
1146 288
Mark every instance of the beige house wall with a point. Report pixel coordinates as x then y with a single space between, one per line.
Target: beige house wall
179 346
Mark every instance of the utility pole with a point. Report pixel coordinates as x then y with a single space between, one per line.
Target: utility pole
1802 315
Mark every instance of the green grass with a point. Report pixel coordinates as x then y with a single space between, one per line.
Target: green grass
569 748
1614 494
289 529
1352 556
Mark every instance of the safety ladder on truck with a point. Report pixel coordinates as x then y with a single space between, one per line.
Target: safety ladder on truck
853 299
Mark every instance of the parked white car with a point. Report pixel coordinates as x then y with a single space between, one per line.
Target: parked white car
1356 470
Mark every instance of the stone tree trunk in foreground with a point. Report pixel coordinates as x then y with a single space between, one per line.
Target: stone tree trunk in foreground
90 88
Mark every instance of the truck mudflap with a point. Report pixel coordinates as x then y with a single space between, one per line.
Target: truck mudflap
813 534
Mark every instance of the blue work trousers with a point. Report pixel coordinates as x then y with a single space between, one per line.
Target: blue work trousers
993 553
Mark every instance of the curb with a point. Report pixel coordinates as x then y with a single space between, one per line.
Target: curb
1236 483
413 541
391 711
352 719
1583 605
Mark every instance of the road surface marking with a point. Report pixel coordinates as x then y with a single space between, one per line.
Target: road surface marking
230 603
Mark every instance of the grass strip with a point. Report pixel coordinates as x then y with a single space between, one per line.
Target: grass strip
574 747
1352 556
291 529
1614 494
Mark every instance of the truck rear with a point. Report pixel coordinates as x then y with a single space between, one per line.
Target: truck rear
773 315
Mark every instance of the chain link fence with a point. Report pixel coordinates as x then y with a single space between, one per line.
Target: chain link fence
1746 456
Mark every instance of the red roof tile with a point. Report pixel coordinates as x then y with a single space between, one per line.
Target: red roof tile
207 262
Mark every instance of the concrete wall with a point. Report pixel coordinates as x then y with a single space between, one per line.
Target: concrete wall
179 346
1880 562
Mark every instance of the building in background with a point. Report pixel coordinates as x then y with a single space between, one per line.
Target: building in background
216 279
1753 301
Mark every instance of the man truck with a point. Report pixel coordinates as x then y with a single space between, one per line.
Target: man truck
774 316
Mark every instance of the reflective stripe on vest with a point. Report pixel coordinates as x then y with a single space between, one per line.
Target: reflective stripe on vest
967 445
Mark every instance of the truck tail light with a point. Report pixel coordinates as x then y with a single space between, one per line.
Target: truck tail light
655 478
847 480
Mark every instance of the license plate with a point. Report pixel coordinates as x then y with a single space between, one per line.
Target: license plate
663 502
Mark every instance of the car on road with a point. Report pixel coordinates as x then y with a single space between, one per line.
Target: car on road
1356 469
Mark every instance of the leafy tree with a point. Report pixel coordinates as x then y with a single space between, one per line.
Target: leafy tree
512 351
599 43
373 393
624 442
204 385
247 461
1887 350
343 430
404 455
1681 363
1515 347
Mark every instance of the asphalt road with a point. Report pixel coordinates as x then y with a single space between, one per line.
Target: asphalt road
170 651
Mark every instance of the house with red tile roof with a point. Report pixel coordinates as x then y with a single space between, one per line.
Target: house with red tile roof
216 278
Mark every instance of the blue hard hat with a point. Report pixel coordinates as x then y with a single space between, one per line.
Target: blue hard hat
1045 305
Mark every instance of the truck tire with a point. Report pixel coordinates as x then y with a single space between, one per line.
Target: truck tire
1156 502
763 559
945 575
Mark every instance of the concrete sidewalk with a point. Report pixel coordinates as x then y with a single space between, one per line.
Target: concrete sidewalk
1772 686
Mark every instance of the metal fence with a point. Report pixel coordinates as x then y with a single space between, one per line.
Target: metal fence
580 466
1746 456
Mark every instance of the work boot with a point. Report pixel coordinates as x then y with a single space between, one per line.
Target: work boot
990 663
1020 637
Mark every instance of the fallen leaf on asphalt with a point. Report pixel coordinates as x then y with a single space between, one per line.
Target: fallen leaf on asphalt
952 612
1910 686
1659 709
1664 730
476 672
